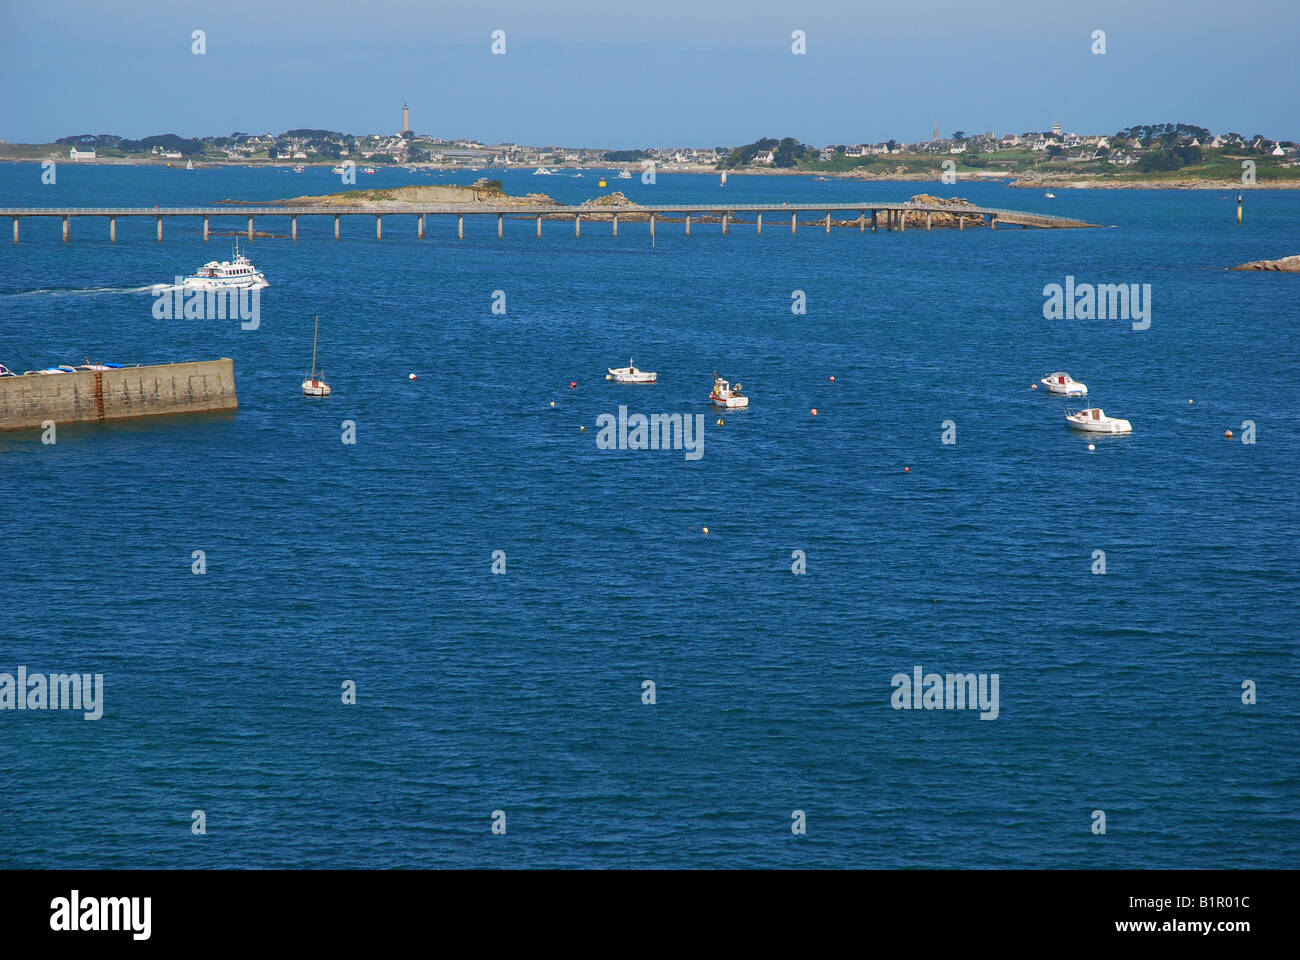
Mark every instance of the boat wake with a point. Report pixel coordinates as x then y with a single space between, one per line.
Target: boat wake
83 291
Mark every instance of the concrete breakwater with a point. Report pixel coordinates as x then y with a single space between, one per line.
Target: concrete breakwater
27 402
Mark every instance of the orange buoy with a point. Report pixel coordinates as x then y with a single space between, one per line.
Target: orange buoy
832 379
814 411
411 376
1227 434
907 469
573 384
1033 386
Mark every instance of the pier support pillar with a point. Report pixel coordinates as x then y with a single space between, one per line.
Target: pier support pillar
928 218
336 226
112 229
419 227
293 227
688 224
160 229
250 228
205 229
862 222
902 220
577 224
15 229
460 227
873 221
500 226
616 224
652 226
379 228
828 222
65 228
759 224
792 223
961 222
539 226
725 217
993 221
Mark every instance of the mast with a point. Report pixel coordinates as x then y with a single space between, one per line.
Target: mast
313 347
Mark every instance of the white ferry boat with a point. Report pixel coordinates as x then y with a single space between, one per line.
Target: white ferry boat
236 274
624 175
543 172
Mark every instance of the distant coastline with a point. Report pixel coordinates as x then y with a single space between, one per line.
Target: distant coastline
1031 180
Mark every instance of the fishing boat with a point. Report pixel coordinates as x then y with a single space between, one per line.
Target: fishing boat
315 386
1064 384
236 274
1093 420
725 395
630 374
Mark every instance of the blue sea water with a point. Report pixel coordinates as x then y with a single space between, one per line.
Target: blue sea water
522 692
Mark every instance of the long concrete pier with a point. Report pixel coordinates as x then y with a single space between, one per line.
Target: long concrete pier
27 402
895 216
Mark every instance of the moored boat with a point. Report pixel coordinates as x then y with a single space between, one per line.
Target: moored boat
1094 420
315 386
1063 384
630 374
725 395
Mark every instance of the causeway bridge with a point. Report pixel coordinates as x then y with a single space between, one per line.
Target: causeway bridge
890 216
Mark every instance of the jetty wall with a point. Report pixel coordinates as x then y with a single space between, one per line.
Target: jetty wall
198 386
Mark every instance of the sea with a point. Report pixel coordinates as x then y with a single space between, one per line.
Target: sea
477 637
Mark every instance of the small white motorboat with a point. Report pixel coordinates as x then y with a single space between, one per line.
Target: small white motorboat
725 395
315 386
630 374
1064 384
1094 420
624 175
1049 196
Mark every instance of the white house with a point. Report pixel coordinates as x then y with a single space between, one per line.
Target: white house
765 157
1278 151
75 154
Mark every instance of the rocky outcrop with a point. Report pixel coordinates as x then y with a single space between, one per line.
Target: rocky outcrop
1284 264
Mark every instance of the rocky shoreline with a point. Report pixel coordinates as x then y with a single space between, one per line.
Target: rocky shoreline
1289 264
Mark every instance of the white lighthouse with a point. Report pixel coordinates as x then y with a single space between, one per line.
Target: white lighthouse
406 119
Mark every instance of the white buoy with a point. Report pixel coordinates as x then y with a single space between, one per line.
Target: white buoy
410 376
1092 446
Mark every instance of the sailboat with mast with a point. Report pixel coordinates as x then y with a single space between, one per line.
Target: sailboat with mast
315 386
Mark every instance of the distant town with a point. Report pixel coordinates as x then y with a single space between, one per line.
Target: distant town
1158 151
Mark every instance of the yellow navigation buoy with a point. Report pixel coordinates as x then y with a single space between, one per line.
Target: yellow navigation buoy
602 182
582 429
552 403
706 531
1189 401
719 421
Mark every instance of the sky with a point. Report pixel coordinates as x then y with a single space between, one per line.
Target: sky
614 74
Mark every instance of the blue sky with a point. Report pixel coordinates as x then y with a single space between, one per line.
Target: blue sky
604 73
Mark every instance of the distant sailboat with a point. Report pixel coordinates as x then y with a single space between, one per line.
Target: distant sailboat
722 181
189 164
315 386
